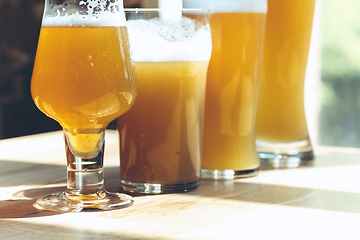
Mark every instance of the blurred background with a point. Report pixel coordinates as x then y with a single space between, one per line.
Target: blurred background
332 82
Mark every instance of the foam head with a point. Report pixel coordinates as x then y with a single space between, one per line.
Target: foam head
156 40
84 13
228 5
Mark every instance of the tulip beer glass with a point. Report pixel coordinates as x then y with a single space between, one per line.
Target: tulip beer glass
83 78
281 130
160 137
233 81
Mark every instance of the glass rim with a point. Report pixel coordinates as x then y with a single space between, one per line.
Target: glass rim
198 10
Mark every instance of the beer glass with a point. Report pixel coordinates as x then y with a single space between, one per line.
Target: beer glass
83 78
160 136
281 130
233 82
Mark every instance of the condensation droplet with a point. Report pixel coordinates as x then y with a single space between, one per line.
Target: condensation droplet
89 57
92 65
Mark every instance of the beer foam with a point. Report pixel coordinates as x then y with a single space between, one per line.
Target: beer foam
228 5
168 41
87 13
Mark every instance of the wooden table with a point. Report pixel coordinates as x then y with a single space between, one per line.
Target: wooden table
316 202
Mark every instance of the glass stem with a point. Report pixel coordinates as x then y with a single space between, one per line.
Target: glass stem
85 177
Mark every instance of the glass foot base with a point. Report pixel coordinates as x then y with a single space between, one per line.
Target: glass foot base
285 155
228 174
153 188
60 203
285 160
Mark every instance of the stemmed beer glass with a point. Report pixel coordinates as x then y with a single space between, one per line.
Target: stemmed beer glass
83 78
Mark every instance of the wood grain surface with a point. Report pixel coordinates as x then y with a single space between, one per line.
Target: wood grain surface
314 202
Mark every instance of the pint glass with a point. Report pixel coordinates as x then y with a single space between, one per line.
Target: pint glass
233 81
281 130
160 136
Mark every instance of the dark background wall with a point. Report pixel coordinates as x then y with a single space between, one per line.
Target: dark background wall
19 30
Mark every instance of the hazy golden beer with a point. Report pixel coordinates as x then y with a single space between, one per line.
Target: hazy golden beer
81 82
281 116
231 92
233 81
160 136
71 97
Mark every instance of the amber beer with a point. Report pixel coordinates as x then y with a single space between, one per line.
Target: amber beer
233 80
80 82
160 136
281 117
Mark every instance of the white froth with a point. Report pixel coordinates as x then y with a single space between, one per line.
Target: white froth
61 15
76 19
156 41
228 5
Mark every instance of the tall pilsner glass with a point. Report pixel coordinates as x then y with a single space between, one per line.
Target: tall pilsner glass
160 137
233 82
281 130
83 78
